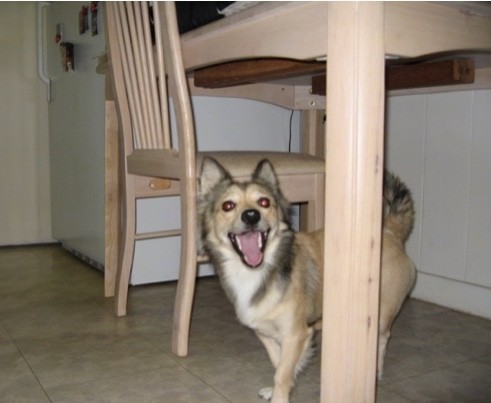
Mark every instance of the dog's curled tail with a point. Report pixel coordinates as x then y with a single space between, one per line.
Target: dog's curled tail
398 207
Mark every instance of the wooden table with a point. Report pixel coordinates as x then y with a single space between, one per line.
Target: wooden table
356 38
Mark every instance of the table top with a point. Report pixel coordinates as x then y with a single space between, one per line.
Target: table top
417 31
412 29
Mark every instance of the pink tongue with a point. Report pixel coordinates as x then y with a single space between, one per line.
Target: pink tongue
249 245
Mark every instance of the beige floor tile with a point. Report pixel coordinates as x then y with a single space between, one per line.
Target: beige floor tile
88 357
465 382
17 382
160 385
386 396
486 359
453 333
406 357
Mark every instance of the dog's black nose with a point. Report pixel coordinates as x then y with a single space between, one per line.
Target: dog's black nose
251 216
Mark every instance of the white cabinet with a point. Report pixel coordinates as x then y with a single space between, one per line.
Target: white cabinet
440 145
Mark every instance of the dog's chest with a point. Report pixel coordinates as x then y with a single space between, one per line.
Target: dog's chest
244 284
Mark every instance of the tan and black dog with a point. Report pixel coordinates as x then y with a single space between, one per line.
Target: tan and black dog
273 275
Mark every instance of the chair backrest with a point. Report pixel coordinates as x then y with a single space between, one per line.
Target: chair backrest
144 48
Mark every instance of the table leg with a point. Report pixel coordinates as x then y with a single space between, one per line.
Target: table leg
354 172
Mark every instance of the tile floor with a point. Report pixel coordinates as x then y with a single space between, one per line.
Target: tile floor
60 342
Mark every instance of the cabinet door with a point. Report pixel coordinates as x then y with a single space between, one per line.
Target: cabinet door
479 229
446 184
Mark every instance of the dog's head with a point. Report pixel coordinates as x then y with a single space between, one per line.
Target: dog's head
241 218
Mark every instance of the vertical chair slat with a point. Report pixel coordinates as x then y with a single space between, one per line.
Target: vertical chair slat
129 74
116 8
161 74
138 84
145 62
142 69
154 110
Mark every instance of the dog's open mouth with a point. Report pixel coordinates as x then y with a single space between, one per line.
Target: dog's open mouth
250 246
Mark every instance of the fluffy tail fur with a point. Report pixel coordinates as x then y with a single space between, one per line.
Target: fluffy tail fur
398 207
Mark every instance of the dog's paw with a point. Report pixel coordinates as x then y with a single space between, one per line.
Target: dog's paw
266 393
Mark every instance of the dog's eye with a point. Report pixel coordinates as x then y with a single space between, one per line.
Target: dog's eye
264 202
228 205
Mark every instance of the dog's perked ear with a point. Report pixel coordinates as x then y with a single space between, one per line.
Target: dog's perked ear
264 172
266 175
212 173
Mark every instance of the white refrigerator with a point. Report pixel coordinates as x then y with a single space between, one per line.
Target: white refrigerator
76 125
76 128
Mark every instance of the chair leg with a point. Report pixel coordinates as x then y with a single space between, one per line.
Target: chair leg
127 249
187 273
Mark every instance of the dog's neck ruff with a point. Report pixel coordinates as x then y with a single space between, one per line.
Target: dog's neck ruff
244 283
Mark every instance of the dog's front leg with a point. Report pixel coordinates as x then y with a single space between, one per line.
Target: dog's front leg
293 350
272 347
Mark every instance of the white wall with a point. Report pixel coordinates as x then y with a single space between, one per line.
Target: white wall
440 144
24 157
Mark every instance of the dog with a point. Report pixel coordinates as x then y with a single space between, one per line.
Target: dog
273 275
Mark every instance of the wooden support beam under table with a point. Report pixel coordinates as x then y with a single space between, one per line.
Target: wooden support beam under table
399 74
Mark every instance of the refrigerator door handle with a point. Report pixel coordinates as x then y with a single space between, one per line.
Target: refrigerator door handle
40 47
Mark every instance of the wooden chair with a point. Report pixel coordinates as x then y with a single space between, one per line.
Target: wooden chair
144 49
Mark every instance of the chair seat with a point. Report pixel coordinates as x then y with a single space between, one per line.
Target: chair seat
242 163
165 163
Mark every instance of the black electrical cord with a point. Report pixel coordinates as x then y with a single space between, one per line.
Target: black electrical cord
290 139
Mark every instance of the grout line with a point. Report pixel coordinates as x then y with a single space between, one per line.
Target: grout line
33 373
